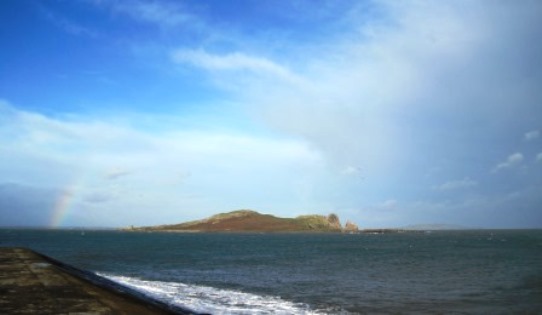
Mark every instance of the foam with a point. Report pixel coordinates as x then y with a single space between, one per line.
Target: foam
212 300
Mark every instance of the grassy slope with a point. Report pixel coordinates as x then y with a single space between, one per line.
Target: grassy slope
251 221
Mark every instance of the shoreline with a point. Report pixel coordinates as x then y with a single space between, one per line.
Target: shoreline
35 283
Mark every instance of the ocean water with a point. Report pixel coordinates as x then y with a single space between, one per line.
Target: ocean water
465 272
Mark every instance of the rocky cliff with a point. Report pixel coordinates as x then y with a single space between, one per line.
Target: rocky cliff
351 227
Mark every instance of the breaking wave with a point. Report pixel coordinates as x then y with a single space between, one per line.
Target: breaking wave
212 300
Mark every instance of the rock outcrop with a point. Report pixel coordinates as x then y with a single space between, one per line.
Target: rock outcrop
334 221
350 227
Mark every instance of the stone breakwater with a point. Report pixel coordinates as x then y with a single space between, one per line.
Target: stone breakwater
32 283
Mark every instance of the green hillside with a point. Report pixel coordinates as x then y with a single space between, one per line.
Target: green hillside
252 221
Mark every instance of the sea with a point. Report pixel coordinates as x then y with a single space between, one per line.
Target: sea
427 272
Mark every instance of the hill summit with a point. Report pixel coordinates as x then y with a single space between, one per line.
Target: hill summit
252 221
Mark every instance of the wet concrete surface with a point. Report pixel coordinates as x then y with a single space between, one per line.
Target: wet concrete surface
31 283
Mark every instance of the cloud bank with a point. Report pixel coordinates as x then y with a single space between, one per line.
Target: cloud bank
426 86
388 113
115 170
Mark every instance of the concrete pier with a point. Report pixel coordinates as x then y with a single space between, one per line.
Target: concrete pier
31 283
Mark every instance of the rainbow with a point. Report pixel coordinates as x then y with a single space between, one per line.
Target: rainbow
63 205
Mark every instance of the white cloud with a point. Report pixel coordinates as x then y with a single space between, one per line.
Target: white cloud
397 97
512 160
392 96
362 88
532 135
227 170
457 184
166 14
235 61
351 170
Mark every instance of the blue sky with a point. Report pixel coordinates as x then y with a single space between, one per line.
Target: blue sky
116 113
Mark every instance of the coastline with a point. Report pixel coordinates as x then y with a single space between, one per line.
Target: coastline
36 283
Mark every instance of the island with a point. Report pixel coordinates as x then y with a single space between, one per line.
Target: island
253 221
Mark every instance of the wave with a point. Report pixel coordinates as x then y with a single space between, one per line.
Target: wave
212 300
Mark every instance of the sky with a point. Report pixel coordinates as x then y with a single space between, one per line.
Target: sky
387 113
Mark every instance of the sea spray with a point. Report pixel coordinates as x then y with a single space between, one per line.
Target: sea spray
212 300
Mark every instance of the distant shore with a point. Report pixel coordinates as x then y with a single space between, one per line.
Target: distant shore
362 231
